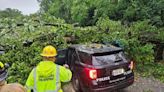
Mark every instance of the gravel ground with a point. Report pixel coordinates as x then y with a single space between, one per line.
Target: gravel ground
146 85
140 85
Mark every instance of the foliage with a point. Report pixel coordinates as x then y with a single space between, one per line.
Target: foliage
23 37
23 43
87 12
12 13
151 69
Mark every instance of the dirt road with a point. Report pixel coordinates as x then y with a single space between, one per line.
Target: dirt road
140 85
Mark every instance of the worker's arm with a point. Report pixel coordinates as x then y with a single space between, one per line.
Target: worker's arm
30 82
65 74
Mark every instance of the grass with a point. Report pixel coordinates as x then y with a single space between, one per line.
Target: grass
151 69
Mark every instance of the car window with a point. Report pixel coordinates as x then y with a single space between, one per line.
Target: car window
106 59
72 57
85 58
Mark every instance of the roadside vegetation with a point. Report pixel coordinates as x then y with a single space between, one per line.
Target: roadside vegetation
137 26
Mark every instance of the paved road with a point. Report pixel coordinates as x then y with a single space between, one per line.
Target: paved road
140 85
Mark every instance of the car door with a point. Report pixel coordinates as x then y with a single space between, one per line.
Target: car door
70 60
61 58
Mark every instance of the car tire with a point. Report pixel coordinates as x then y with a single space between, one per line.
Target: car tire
76 84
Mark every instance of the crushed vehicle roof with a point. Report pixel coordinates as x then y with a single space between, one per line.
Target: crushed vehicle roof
95 48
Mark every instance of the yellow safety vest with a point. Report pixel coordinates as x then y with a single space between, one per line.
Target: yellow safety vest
47 77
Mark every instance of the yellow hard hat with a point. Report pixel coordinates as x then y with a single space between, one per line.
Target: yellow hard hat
1 65
49 51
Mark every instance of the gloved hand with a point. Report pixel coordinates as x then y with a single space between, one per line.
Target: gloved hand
66 66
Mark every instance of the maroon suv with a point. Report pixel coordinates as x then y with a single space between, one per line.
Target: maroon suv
98 68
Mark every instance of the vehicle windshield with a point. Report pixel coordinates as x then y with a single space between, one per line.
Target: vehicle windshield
107 59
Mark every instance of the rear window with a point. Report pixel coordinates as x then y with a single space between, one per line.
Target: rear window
107 59
102 59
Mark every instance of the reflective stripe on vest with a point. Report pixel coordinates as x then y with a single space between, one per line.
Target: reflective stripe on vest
35 88
57 81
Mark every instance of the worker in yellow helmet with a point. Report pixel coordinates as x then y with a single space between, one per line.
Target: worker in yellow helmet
47 76
12 87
